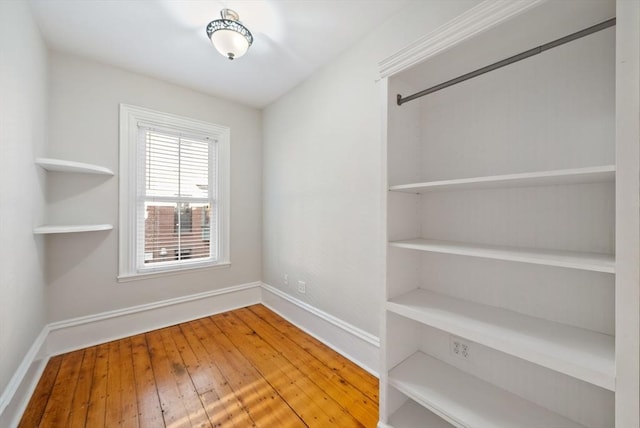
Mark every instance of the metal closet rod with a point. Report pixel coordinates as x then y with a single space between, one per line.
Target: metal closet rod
519 57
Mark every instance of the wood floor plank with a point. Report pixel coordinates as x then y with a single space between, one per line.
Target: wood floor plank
147 400
278 371
128 386
98 399
59 404
175 414
348 370
309 411
190 398
204 380
265 407
199 371
352 399
38 402
222 404
336 362
244 368
80 403
113 415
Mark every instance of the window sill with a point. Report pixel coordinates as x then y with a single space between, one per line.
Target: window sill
172 272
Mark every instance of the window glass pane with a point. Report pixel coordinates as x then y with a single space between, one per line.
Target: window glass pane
194 238
182 219
205 221
160 238
166 241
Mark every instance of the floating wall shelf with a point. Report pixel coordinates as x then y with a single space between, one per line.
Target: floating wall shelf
50 229
60 165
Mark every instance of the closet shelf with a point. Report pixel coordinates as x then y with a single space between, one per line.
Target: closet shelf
49 229
576 352
411 414
594 174
568 259
71 166
436 386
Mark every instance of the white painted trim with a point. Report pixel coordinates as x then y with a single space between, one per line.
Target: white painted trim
77 333
72 322
15 397
173 272
476 20
627 222
352 342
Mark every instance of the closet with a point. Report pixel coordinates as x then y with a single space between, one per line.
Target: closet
500 290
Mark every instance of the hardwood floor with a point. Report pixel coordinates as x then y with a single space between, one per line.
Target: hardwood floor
243 368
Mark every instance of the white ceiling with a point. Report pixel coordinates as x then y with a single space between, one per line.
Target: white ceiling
166 39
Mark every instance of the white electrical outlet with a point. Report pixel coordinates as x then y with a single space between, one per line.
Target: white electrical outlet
459 348
285 279
302 287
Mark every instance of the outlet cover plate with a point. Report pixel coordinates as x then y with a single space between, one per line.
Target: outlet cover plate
460 348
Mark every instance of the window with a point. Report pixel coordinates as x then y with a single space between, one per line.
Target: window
173 193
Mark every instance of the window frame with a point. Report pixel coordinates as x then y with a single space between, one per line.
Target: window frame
130 117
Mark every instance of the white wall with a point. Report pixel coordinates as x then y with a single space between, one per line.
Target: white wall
23 126
82 268
322 174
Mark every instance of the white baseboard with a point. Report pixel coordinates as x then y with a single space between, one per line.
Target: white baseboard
354 343
76 333
15 397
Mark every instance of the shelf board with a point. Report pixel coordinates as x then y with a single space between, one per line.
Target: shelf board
567 259
576 352
466 401
71 166
413 415
49 229
541 178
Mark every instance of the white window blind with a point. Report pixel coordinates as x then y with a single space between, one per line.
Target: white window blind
177 211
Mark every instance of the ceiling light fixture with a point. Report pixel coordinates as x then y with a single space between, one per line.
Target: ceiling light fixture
228 35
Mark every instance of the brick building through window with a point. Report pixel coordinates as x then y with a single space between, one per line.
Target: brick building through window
176 232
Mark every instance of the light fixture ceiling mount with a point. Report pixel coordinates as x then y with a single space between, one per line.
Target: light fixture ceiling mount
228 35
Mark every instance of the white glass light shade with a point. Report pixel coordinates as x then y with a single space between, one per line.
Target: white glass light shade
230 43
228 35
